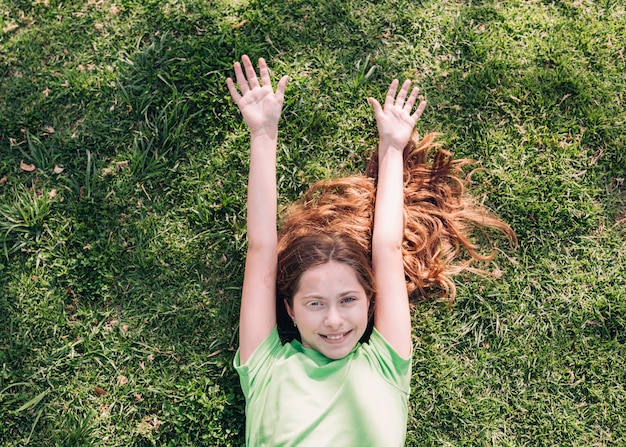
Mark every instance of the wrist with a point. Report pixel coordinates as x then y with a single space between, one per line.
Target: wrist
385 147
264 134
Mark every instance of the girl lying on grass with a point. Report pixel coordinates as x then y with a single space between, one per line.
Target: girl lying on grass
337 277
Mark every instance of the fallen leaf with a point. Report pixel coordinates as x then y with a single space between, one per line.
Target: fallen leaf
99 26
87 247
152 422
3 180
122 380
240 24
46 92
48 130
52 193
26 167
138 397
114 10
58 169
11 27
99 391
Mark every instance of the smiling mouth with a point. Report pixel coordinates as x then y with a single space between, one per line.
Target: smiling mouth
335 338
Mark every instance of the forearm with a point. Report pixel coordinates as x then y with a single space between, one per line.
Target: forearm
389 212
262 195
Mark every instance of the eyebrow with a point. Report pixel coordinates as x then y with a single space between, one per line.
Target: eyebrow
319 297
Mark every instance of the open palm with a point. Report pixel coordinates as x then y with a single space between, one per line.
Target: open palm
259 105
394 119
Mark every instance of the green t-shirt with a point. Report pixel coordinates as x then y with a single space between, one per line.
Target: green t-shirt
298 397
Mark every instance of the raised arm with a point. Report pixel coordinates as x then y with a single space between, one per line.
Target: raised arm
395 121
261 108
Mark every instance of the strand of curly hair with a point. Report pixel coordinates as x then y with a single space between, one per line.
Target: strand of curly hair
442 222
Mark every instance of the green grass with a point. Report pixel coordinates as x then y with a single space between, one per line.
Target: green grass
122 253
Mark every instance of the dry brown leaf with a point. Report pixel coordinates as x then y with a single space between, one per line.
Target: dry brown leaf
58 169
52 193
10 27
114 10
122 380
99 391
3 180
27 167
240 24
152 422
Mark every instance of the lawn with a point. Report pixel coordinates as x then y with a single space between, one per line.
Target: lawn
123 166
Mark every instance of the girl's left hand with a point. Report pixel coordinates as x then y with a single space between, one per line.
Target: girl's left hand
259 104
394 119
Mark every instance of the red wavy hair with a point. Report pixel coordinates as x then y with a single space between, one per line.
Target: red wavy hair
443 224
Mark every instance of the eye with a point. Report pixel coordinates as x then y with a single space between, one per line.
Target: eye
314 304
348 299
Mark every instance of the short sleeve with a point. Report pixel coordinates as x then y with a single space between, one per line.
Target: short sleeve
260 360
394 368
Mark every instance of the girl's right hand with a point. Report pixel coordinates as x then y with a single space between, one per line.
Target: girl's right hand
259 105
396 118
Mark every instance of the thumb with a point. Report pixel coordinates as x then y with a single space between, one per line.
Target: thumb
375 105
280 89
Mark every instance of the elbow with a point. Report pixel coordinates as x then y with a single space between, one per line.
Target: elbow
387 248
262 245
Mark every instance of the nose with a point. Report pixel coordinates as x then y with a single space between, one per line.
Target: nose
333 318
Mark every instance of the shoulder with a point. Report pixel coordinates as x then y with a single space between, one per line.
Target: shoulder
393 367
264 355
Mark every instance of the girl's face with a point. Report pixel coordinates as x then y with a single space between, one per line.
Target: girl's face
330 309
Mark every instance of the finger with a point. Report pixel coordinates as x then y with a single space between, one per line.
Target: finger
280 89
419 111
411 101
233 90
402 94
265 73
391 93
241 79
376 106
250 73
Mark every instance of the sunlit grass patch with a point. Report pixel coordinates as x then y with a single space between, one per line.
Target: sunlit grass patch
123 167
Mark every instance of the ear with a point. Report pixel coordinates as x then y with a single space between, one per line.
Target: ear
289 310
